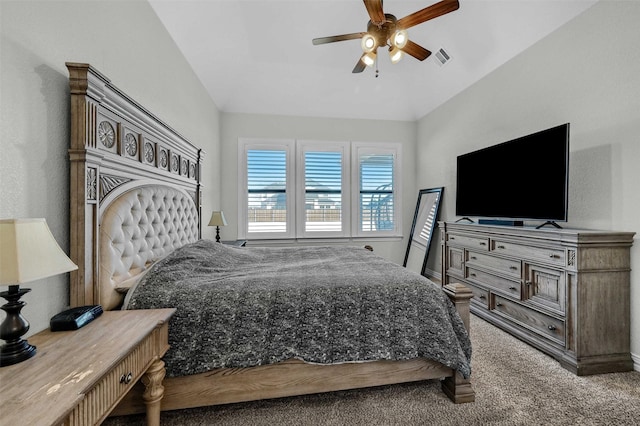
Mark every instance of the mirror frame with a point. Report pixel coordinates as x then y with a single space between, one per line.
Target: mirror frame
434 207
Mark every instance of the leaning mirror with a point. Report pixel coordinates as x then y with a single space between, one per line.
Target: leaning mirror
424 222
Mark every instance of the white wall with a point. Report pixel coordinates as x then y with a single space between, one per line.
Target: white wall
234 126
586 73
125 41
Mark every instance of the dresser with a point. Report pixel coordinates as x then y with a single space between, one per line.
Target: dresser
563 291
78 377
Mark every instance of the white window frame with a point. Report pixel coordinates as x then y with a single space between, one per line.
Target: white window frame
371 148
244 145
295 150
302 147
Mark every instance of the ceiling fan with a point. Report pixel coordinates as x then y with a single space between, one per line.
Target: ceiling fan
385 29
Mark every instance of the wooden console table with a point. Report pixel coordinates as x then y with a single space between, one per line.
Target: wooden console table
78 377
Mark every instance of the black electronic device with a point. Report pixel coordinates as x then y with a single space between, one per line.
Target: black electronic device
524 178
75 318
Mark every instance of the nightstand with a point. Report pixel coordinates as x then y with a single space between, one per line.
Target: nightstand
78 377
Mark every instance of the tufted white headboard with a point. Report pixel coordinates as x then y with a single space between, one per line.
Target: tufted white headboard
139 227
135 192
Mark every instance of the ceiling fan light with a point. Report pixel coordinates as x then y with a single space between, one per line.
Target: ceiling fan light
368 43
396 54
399 39
369 59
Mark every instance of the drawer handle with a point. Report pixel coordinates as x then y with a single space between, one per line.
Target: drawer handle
513 268
126 378
482 297
483 244
473 258
498 304
472 275
554 256
452 238
501 247
552 327
513 288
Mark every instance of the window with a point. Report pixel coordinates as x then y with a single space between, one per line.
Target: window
267 197
324 189
376 195
314 189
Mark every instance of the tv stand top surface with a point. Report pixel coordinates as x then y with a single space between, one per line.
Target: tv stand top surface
533 231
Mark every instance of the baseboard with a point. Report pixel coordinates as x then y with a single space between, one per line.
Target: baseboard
636 361
433 275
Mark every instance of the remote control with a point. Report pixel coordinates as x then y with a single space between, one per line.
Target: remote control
75 318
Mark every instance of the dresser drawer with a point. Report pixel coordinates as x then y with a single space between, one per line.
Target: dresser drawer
547 255
507 267
480 296
494 282
546 325
469 242
113 387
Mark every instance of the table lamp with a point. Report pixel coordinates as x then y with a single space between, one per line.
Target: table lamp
28 252
217 220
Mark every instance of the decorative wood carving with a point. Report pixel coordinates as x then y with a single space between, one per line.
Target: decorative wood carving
131 144
106 134
164 159
174 163
92 184
108 183
149 152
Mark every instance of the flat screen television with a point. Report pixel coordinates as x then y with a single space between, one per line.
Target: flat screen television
524 178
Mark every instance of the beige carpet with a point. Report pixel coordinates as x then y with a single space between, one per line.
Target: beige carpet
514 383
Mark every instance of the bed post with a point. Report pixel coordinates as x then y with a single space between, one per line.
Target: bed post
457 388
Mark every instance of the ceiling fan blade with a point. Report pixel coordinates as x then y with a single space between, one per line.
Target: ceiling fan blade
333 39
430 12
374 8
360 66
415 50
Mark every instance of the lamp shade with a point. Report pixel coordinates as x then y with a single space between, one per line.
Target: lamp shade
217 219
29 252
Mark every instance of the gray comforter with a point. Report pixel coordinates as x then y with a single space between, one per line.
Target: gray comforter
241 307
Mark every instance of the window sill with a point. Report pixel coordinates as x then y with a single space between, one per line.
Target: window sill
333 240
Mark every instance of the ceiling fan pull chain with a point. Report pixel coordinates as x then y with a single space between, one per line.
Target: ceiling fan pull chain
377 71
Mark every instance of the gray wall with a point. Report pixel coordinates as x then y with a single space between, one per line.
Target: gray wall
125 41
234 126
586 73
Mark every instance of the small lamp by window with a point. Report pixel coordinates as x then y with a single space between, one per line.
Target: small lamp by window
29 252
217 220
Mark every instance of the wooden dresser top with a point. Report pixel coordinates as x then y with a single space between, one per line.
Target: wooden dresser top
69 363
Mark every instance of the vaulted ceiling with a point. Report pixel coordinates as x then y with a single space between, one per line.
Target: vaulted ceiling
257 56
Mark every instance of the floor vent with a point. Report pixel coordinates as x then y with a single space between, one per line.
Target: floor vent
442 57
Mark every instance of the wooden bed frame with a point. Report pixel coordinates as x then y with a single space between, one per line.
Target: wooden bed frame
118 146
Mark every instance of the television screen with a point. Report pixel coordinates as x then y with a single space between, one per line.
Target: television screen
525 178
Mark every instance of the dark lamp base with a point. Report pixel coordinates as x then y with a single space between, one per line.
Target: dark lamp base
15 352
13 327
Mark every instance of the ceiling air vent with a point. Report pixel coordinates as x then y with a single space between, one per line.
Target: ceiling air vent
442 57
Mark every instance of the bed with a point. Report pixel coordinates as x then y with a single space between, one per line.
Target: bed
135 197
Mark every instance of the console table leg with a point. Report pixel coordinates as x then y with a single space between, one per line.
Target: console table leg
154 391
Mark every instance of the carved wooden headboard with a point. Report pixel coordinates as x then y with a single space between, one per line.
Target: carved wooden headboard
135 187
